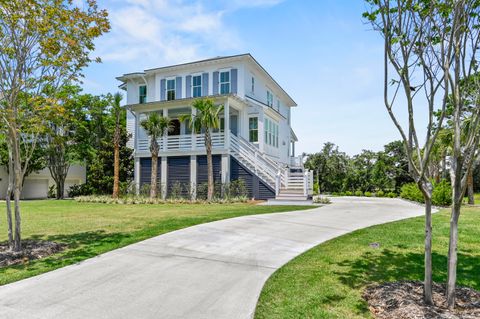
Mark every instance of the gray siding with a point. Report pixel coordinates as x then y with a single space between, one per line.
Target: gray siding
256 188
146 170
202 169
178 171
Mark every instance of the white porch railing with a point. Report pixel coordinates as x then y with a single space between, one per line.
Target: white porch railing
258 162
182 142
269 170
296 161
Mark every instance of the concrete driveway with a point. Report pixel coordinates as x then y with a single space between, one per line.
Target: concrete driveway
213 270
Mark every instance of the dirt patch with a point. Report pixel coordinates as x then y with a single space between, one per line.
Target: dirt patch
32 249
404 300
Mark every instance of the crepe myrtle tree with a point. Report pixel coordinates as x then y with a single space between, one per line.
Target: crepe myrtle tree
417 57
44 44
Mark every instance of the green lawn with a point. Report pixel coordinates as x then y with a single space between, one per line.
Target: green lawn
327 281
91 229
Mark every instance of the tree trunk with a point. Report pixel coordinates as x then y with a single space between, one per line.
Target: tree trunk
8 200
116 170
471 195
60 185
153 176
208 147
17 245
427 189
453 243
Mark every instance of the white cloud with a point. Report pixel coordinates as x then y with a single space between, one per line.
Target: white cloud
150 33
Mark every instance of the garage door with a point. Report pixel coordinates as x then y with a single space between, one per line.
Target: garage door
35 188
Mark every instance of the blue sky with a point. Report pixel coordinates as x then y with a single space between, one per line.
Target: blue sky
320 51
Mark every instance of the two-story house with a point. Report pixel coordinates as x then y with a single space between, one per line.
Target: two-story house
255 141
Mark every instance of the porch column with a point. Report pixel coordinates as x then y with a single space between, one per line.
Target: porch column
226 110
225 169
193 176
293 149
194 134
165 134
137 175
163 177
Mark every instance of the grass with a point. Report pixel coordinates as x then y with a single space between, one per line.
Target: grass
90 229
327 281
476 197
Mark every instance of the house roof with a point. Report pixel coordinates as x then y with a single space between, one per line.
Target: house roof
245 56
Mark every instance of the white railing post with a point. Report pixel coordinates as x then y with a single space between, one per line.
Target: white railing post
305 184
226 128
286 177
310 180
256 162
278 183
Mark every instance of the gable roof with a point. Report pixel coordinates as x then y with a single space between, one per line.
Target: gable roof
246 57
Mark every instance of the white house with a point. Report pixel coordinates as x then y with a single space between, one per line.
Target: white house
255 142
36 185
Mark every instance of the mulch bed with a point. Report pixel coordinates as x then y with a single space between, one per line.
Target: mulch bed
32 249
404 300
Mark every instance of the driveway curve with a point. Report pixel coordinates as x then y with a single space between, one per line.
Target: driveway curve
213 270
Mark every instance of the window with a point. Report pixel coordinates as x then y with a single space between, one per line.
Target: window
225 82
196 85
253 129
271 133
253 84
269 98
171 90
142 94
278 105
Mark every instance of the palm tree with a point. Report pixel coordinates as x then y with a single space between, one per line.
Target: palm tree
207 117
156 126
117 111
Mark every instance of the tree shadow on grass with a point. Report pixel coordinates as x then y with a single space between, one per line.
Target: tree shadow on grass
79 246
388 266
403 264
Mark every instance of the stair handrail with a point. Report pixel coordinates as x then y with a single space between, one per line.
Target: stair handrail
257 159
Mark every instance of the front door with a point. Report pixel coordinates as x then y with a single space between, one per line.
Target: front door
175 127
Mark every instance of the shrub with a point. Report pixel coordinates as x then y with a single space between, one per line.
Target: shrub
348 193
315 188
236 188
358 193
322 200
368 194
391 195
442 194
380 193
52 191
130 200
80 190
411 192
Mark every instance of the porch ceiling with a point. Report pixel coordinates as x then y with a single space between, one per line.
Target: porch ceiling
233 101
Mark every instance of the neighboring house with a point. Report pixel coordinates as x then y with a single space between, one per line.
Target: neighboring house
36 185
255 142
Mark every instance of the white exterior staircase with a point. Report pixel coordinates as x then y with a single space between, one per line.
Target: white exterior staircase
291 183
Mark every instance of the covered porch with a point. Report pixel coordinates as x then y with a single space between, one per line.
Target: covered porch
181 139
